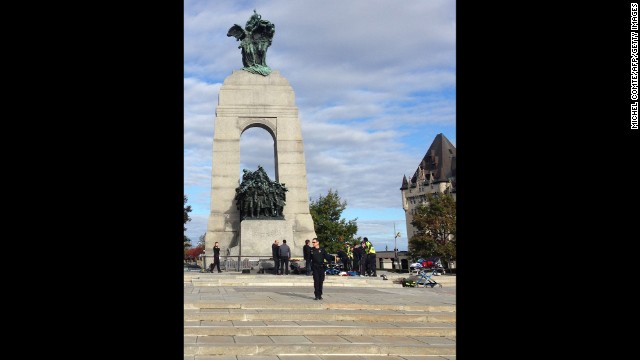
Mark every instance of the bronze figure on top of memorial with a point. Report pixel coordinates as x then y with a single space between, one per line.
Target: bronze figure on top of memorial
254 39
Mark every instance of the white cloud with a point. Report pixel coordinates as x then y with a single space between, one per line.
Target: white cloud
374 84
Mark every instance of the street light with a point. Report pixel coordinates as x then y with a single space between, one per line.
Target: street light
395 248
204 259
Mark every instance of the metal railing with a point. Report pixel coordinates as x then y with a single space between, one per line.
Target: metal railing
249 262
234 262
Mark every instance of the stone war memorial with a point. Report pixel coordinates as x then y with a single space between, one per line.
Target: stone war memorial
248 214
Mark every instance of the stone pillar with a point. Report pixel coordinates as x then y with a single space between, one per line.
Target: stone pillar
249 100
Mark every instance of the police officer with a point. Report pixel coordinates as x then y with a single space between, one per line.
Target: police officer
318 255
275 252
216 257
358 259
370 252
306 251
349 258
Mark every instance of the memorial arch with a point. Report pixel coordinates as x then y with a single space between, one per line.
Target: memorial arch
248 100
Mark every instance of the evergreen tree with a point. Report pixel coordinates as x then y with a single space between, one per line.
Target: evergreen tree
332 231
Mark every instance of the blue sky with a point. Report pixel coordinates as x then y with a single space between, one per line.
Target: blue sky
374 80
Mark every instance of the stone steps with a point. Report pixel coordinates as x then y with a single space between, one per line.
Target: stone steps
281 345
237 279
315 305
328 316
245 329
359 318
228 328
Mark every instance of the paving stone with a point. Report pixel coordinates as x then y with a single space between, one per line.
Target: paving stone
215 340
326 339
215 323
253 340
434 340
248 323
290 340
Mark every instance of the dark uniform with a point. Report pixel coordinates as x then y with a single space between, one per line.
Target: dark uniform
358 261
317 266
370 252
306 251
275 252
216 258
344 260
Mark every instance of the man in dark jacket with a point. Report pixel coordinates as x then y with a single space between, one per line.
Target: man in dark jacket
370 253
358 259
216 257
306 251
285 255
318 255
275 252
343 259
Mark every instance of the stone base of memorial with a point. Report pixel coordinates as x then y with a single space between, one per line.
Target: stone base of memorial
258 236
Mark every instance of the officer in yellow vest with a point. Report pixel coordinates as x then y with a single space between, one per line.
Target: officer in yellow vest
370 252
349 257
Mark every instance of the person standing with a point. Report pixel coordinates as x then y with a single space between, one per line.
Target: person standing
216 257
318 255
371 257
306 252
343 258
285 255
365 258
358 260
349 258
275 252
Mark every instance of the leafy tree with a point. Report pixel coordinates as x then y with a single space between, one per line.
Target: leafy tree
187 247
332 231
436 224
187 210
201 241
193 253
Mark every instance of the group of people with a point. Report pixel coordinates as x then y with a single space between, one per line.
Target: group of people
360 257
281 255
314 257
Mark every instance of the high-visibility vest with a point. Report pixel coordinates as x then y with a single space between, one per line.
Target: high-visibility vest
369 248
349 253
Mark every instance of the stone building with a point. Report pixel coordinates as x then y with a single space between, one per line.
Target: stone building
436 173
385 260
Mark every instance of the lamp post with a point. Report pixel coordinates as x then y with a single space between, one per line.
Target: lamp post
395 247
204 259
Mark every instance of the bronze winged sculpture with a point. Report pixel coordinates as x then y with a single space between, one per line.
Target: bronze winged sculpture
254 39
